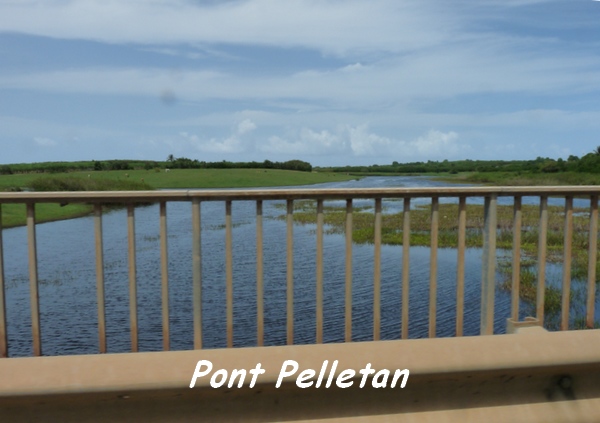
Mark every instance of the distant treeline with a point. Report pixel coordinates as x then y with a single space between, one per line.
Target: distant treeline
590 163
170 163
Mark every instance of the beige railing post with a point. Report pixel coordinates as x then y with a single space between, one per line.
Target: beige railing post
229 273
33 281
566 279
541 261
348 301
435 216
100 278
260 330
516 258
164 272
405 266
592 255
197 273
319 282
290 272
133 320
460 265
3 332
488 280
377 272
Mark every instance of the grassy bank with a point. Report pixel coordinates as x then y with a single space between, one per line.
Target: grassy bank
420 218
190 178
523 179
14 214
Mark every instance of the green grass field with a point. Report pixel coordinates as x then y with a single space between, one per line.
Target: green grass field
192 178
14 214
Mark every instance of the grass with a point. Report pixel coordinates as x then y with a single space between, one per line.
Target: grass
190 178
524 178
14 214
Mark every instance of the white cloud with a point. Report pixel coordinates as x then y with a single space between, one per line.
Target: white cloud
306 142
360 142
232 144
246 126
45 142
364 143
334 26
436 144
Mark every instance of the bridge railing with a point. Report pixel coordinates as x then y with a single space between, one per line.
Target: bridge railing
378 196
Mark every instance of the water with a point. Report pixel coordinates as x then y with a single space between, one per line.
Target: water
67 290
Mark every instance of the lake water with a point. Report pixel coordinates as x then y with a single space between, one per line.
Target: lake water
68 286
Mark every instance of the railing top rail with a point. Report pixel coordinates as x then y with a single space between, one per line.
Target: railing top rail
291 194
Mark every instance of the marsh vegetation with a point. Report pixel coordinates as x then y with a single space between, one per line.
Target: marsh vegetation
363 232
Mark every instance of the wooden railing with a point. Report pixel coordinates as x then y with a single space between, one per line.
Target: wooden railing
196 197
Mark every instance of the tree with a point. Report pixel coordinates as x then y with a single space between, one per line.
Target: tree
171 158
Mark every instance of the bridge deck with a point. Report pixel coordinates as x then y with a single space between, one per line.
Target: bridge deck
530 376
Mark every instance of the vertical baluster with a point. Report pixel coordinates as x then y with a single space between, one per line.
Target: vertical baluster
460 265
433 266
197 273
290 272
33 281
348 300
377 272
100 278
319 287
592 254
516 258
3 332
229 273
405 266
566 276
488 281
260 331
541 262
164 271
132 278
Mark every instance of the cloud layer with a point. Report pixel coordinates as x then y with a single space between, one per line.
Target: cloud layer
345 80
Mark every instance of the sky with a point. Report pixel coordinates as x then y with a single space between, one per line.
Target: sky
332 82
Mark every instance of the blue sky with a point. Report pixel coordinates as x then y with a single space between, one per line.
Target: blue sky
333 82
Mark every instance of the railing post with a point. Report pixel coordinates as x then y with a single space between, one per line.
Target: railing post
100 278
435 214
516 259
592 254
488 280
197 273
405 266
229 273
460 265
33 281
541 262
566 276
348 311
377 272
260 329
3 333
290 272
319 284
133 320
164 271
